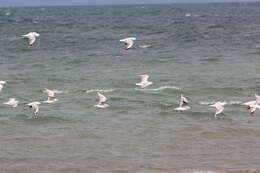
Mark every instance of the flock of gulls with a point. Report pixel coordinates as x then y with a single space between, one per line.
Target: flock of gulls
103 103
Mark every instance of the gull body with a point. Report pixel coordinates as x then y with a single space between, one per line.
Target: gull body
2 83
219 107
129 42
35 107
183 104
102 101
31 36
12 102
144 81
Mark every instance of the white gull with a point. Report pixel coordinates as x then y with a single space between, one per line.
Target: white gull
129 42
102 101
183 104
31 36
35 107
51 95
219 107
144 81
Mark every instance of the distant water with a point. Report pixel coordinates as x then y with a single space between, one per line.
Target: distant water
207 52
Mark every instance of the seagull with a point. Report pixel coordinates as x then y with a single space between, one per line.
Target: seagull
102 101
31 36
253 108
35 107
12 102
183 104
253 105
219 107
129 42
2 83
144 81
51 95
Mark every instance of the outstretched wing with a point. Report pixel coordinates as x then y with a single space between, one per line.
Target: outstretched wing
184 101
102 98
257 98
219 109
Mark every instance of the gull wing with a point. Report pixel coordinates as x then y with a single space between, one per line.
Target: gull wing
183 101
219 109
257 98
102 98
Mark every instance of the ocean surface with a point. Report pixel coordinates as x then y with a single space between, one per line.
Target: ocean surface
207 52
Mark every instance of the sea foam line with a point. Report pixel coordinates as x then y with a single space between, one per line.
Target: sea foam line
100 90
158 89
213 102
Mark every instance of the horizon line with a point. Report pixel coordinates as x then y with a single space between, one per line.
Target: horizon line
125 4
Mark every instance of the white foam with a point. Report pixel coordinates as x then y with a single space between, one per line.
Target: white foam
60 91
159 89
8 13
234 102
145 46
100 90
213 102
206 103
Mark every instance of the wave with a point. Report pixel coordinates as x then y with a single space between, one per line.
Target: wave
100 90
11 38
158 89
227 103
145 46
60 91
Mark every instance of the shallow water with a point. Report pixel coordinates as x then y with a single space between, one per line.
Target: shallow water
206 52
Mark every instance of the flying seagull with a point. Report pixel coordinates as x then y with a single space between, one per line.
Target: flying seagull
102 101
253 105
129 42
51 95
35 107
31 36
219 107
183 104
144 81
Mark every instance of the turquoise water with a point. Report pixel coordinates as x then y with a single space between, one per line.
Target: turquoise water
209 51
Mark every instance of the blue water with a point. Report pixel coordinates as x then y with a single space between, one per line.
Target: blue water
209 51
